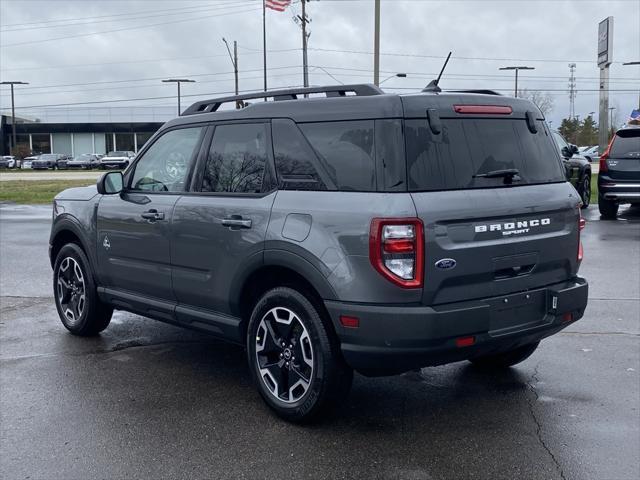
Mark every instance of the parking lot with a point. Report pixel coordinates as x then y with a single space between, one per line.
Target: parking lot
147 400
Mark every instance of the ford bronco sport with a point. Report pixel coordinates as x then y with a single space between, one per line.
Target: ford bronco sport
358 231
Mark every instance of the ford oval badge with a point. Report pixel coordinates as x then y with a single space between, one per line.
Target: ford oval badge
446 263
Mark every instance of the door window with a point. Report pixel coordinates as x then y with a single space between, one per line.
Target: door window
236 159
164 166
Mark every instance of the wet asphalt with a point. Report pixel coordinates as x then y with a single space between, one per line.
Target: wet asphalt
148 400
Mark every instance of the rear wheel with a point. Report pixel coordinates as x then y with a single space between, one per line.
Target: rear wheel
585 190
505 359
77 302
293 357
608 209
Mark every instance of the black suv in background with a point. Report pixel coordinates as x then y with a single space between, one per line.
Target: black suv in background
577 168
50 161
619 175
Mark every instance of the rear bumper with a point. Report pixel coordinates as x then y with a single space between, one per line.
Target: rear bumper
392 338
622 191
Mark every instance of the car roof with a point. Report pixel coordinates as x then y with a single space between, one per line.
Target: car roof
353 107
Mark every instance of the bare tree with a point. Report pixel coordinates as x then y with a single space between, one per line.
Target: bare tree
543 101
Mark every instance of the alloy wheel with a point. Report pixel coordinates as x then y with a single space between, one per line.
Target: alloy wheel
586 191
70 289
284 354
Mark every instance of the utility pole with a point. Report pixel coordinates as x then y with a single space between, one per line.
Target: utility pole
376 45
264 43
605 58
572 90
305 37
517 69
234 62
13 114
178 81
611 109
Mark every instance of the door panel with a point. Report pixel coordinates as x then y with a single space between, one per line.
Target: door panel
133 251
213 238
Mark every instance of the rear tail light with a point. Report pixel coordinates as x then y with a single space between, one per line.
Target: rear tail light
396 250
581 224
605 156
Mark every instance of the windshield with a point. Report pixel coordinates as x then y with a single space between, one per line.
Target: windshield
469 152
626 144
84 156
117 154
48 156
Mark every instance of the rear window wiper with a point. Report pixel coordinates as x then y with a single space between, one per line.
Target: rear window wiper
508 174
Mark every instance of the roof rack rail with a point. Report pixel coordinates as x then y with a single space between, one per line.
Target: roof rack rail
481 91
212 105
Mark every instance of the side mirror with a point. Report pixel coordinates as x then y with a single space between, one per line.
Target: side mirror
110 183
574 149
566 152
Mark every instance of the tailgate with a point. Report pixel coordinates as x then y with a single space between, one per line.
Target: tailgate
482 243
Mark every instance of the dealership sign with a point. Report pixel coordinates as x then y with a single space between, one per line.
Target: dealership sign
605 42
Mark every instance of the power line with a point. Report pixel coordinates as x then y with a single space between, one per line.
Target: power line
129 17
66 37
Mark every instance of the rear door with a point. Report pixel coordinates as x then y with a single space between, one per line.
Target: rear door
218 230
485 236
133 227
623 162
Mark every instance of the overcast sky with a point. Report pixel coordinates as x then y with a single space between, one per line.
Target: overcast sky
63 48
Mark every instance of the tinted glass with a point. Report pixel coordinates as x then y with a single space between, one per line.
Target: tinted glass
164 166
297 165
236 160
346 151
392 173
466 148
626 144
559 141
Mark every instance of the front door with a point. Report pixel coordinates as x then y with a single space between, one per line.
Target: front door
219 231
133 227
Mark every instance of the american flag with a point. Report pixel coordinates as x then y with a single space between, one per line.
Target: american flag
277 5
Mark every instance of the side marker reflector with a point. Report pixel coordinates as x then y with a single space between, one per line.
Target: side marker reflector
349 322
465 341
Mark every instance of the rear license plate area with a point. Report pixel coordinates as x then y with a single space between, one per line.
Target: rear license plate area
519 311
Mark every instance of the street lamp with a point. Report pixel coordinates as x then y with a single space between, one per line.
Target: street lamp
517 69
13 114
178 81
634 63
397 75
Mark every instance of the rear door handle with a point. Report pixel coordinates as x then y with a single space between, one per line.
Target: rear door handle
153 215
236 221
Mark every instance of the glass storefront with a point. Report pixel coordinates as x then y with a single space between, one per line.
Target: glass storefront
41 143
124 141
142 138
109 142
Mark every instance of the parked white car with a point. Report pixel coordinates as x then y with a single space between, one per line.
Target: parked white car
28 161
7 161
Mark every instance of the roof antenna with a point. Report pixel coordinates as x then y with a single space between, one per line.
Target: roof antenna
433 84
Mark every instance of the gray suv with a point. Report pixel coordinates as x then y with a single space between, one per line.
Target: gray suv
355 231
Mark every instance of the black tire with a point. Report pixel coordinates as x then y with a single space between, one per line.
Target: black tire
608 209
585 189
505 359
307 336
79 308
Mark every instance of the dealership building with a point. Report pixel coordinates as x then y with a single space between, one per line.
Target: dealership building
74 138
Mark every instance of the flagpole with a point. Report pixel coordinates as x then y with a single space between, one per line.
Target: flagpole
264 41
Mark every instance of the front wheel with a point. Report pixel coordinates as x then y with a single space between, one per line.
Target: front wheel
608 209
77 302
505 359
294 358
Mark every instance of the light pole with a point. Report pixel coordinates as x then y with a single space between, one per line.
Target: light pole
634 63
517 69
396 75
178 81
611 109
13 114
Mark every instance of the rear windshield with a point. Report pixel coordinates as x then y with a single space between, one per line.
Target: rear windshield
626 144
466 148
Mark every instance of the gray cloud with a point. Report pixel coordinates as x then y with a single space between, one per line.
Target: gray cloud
528 30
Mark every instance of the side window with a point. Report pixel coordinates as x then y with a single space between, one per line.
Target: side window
237 158
164 167
347 151
559 141
296 163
